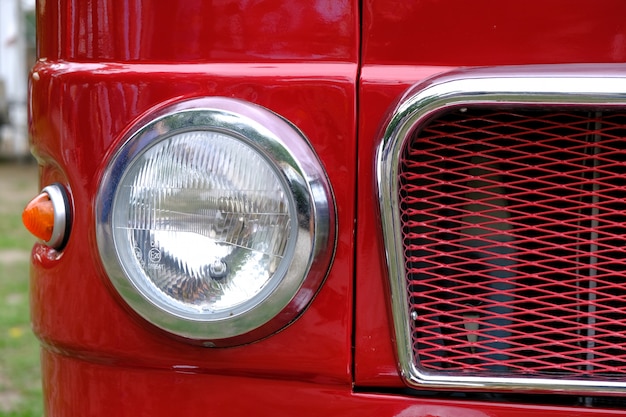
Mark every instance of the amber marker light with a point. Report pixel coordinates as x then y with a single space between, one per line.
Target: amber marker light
47 216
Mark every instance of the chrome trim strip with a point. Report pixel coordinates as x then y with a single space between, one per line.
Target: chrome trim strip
562 86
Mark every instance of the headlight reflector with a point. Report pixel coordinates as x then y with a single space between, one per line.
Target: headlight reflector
213 219
208 220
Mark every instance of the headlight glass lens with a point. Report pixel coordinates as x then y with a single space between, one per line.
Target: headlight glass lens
215 221
203 223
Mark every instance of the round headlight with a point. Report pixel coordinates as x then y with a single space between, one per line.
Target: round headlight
215 221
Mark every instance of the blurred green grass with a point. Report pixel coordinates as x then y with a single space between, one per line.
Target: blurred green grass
20 375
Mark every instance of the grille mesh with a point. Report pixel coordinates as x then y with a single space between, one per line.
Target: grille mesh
513 228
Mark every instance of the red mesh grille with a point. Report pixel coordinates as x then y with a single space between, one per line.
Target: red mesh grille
513 228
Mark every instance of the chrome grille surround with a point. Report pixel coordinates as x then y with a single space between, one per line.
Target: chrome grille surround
577 87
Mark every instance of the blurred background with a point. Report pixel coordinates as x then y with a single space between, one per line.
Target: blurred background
20 381
17 55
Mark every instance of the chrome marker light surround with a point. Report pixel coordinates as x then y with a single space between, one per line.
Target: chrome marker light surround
193 263
62 221
558 87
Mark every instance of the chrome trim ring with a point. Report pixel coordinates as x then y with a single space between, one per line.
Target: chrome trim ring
288 151
60 230
562 86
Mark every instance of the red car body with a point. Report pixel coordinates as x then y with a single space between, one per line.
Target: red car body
335 69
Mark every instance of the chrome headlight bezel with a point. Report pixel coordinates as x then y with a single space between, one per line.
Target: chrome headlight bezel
289 153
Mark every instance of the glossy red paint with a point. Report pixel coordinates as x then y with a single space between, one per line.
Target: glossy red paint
79 112
491 32
198 31
375 359
75 311
105 64
131 391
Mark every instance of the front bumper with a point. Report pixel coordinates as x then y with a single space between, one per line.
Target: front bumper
114 389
